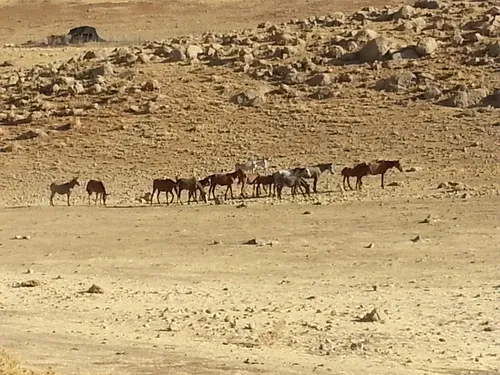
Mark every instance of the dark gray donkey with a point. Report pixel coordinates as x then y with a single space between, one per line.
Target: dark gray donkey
293 182
315 171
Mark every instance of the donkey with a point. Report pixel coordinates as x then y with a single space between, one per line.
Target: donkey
227 179
167 185
316 170
252 165
264 181
379 167
97 187
62 189
298 172
293 182
192 185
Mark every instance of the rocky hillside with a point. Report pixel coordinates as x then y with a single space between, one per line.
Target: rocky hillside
446 54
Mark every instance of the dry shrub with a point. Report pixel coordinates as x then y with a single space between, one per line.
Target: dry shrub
9 365
271 337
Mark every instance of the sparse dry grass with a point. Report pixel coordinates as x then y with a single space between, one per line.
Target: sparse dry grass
10 365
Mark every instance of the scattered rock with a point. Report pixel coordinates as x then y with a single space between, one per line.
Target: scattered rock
395 183
322 79
193 51
103 70
324 93
416 239
174 326
373 316
151 85
494 49
429 220
370 246
396 83
432 93
429 4
95 289
177 55
26 284
22 237
466 98
405 12
251 97
258 242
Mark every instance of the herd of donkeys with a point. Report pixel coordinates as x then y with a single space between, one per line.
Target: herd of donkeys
244 173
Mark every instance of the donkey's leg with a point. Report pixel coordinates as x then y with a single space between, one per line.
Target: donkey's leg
229 187
306 190
382 180
52 198
157 196
242 192
152 196
213 190
315 183
68 195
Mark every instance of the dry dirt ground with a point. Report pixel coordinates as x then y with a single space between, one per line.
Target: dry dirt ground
182 293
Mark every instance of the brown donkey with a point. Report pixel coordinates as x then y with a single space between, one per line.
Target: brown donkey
167 185
379 167
263 181
62 189
98 188
227 179
360 169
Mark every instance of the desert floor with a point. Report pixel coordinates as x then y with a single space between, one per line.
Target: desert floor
182 292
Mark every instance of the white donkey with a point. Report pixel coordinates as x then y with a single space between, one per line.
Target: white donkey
252 165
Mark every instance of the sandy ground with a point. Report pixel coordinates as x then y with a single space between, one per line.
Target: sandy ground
183 294
284 308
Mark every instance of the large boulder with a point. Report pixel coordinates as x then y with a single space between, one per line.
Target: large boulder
466 98
375 49
429 4
396 83
494 49
193 51
103 70
426 46
365 35
251 97
322 79
405 12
